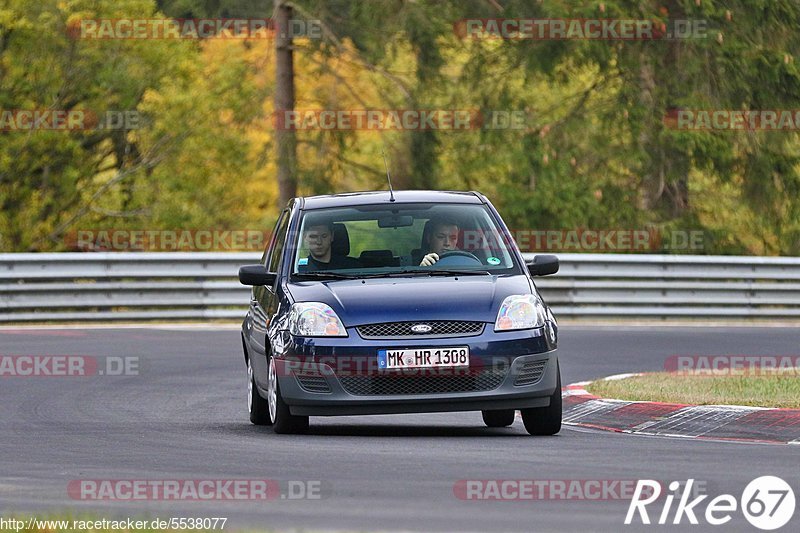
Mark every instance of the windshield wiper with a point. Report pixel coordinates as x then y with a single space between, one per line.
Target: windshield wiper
443 272
324 275
396 274
432 272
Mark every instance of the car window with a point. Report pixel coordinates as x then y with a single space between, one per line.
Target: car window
365 235
379 239
268 247
279 241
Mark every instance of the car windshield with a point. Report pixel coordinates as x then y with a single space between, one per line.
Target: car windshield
401 240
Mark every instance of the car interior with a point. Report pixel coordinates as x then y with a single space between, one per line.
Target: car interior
379 258
379 239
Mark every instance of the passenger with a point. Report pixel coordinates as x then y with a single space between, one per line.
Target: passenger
318 239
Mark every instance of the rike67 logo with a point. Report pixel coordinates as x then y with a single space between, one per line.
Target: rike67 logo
767 502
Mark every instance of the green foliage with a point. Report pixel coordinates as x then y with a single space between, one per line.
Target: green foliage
49 176
593 149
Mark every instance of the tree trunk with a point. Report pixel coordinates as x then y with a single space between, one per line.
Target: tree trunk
285 139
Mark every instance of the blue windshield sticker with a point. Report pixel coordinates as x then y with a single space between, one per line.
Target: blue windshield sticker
303 261
493 261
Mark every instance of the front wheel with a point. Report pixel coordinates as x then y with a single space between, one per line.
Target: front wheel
256 405
498 419
545 420
282 420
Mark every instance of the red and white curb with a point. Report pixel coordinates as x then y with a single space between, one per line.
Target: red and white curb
708 422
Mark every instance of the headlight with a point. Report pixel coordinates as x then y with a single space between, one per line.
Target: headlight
524 311
315 319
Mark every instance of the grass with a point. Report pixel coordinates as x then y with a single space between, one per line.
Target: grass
772 390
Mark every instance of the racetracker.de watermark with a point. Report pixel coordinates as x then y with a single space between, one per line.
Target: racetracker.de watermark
166 240
551 489
733 365
592 29
67 366
195 489
528 240
590 240
400 119
68 120
191 28
733 120
397 365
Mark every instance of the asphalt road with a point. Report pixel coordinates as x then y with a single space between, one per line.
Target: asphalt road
184 417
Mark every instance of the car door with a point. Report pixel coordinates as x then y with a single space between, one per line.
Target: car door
263 302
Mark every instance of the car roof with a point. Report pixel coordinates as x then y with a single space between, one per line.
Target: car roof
377 197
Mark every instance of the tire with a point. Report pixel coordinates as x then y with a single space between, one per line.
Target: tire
256 405
283 422
498 419
545 420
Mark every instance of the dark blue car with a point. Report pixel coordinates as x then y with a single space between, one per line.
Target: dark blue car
411 302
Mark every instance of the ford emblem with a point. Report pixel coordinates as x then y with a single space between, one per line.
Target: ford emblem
421 328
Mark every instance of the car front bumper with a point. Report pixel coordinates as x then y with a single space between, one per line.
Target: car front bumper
345 378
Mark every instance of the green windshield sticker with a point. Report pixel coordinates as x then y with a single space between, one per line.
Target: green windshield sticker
493 261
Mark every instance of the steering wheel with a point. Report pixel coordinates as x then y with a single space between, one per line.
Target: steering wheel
457 258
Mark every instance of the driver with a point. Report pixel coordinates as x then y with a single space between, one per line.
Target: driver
442 238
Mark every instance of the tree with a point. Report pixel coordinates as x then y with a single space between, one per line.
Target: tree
51 177
285 139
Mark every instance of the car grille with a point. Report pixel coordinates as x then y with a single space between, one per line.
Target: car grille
531 373
439 328
400 384
313 383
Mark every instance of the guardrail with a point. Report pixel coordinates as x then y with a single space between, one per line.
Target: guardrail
191 286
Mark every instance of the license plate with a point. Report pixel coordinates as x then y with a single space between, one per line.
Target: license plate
424 358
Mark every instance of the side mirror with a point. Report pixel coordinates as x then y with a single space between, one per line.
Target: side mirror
256 275
543 265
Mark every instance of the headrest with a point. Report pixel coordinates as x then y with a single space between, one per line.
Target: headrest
377 258
426 232
341 240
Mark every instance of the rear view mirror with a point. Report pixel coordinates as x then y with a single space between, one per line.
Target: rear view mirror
256 275
543 265
396 221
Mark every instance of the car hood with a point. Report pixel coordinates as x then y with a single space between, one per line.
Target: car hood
369 301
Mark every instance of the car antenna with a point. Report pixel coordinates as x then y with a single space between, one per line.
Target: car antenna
388 177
